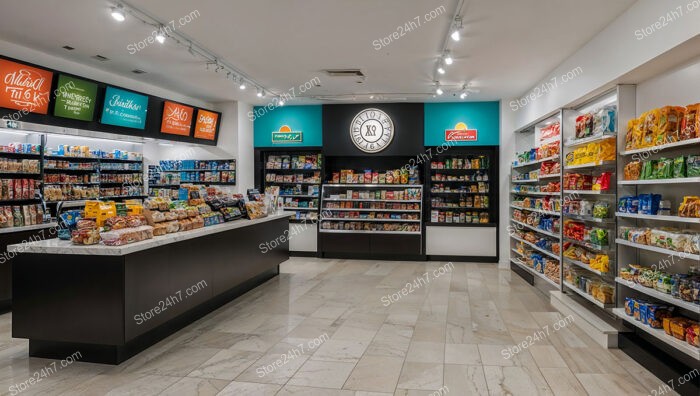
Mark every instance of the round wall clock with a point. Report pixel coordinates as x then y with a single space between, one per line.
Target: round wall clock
372 130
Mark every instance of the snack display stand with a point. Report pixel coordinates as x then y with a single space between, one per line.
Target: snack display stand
462 203
165 179
535 221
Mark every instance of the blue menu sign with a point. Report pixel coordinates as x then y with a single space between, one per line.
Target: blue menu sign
124 108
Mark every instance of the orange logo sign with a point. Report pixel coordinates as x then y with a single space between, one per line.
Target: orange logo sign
24 87
205 128
461 133
177 119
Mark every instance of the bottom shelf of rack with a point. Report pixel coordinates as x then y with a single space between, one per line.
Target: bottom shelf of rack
659 334
367 243
587 296
532 271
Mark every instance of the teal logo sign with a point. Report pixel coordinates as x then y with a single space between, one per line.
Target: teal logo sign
124 108
286 135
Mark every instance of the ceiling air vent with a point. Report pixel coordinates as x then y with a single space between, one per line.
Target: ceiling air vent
344 73
138 71
100 58
68 47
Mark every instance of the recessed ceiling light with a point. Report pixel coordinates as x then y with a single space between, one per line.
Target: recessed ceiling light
439 91
455 35
118 14
160 37
371 96
260 93
463 95
281 102
242 86
448 58
441 70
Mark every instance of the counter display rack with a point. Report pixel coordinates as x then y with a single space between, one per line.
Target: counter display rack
296 178
165 179
535 216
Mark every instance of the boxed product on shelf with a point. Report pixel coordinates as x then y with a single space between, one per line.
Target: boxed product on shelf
8 165
301 161
21 148
176 165
370 226
60 164
393 176
467 162
474 177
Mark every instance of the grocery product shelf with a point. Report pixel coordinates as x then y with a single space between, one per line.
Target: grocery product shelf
552 176
532 271
19 155
371 200
541 231
539 249
659 295
27 228
458 192
681 180
586 266
293 170
525 181
590 219
458 208
297 208
675 219
293 183
661 335
371 220
71 159
19 175
592 246
658 250
536 193
667 146
588 192
298 196
536 210
373 210
587 296
592 139
369 232
374 185
553 158
590 165
444 224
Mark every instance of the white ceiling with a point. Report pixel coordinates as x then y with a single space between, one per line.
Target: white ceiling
507 45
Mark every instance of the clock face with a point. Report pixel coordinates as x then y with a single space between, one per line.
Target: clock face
372 130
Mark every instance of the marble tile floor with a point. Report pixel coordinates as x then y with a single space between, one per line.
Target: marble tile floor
329 327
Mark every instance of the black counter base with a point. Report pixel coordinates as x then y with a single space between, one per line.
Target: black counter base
116 354
464 259
528 277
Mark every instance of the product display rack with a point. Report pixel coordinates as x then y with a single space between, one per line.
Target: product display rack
591 128
300 195
165 181
535 203
664 260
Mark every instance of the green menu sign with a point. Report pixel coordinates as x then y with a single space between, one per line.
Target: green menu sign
286 137
75 98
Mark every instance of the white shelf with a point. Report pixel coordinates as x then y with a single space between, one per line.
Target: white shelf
587 192
586 266
682 180
553 158
599 138
532 271
27 228
537 210
539 249
293 208
371 220
372 210
591 165
587 296
298 196
590 219
677 219
552 176
682 346
536 193
369 232
661 147
524 181
659 295
592 246
541 231
372 200
658 250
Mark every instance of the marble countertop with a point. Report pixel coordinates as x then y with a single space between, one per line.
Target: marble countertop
57 246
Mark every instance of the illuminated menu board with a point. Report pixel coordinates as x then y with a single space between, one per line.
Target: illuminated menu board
206 125
24 87
177 119
124 108
75 98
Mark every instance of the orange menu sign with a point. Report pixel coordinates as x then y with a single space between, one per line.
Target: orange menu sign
205 128
24 87
177 119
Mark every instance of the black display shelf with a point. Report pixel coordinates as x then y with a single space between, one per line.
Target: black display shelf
211 183
119 160
292 170
67 170
454 171
121 170
461 224
116 183
163 185
71 159
20 155
68 184
19 201
14 175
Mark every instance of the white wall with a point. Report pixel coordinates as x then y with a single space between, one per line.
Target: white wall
678 87
614 52
246 157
